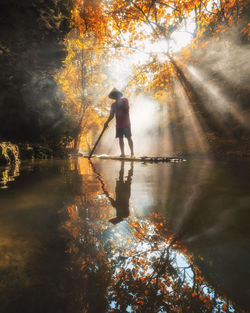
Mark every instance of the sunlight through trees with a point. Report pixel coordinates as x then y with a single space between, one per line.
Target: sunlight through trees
154 48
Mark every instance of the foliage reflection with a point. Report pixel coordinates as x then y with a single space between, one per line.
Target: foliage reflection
135 265
8 174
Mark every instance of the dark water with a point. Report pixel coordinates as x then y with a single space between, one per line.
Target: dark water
125 237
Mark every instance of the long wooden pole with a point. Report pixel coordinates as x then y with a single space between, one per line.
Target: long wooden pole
99 138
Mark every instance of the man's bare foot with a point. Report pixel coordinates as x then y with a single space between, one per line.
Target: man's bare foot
122 155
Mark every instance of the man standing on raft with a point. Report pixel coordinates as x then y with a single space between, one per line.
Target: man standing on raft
120 108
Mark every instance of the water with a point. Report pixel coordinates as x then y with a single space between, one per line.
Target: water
111 236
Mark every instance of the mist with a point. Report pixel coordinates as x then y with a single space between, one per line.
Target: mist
212 108
145 121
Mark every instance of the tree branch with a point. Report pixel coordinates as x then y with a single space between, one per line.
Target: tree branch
147 19
150 7
167 5
209 11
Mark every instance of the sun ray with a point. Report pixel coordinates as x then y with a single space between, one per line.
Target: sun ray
191 121
222 105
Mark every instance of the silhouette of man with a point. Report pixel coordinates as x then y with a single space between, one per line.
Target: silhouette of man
120 109
122 195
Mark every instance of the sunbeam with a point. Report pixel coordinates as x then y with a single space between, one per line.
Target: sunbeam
195 134
221 103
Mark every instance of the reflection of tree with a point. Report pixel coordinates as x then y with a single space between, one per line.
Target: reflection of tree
135 266
204 206
89 268
8 174
154 275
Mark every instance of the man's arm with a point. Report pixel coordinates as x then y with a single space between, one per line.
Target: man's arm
111 116
112 201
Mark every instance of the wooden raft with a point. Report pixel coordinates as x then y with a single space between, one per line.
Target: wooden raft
144 159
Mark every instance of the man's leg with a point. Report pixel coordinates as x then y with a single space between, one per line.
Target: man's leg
131 145
121 142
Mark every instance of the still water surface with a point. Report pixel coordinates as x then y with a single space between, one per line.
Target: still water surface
111 236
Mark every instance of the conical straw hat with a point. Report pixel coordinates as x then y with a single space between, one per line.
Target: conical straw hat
114 93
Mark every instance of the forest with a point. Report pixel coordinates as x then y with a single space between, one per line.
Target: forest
166 230
186 60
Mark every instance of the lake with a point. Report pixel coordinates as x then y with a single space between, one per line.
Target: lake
112 236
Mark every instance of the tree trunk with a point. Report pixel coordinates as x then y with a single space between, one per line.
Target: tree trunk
78 133
79 128
196 22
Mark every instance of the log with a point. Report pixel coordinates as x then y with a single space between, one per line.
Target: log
144 159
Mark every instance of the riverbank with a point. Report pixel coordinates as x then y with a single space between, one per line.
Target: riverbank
11 153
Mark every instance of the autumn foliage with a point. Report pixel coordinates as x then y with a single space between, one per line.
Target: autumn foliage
111 31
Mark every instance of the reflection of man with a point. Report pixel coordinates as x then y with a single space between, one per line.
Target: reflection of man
122 195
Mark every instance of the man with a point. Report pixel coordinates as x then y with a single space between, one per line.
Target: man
120 108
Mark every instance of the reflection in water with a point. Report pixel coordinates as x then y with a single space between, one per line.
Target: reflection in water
142 264
122 193
182 244
8 174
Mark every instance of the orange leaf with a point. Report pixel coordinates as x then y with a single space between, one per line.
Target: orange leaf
224 307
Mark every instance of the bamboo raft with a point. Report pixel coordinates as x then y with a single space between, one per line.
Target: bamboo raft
144 159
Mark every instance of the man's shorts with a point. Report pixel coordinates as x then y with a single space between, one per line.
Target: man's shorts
125 131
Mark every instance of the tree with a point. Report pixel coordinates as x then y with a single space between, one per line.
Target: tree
111 30
83 81
31 51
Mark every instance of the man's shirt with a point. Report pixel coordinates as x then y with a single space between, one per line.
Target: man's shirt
121 110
